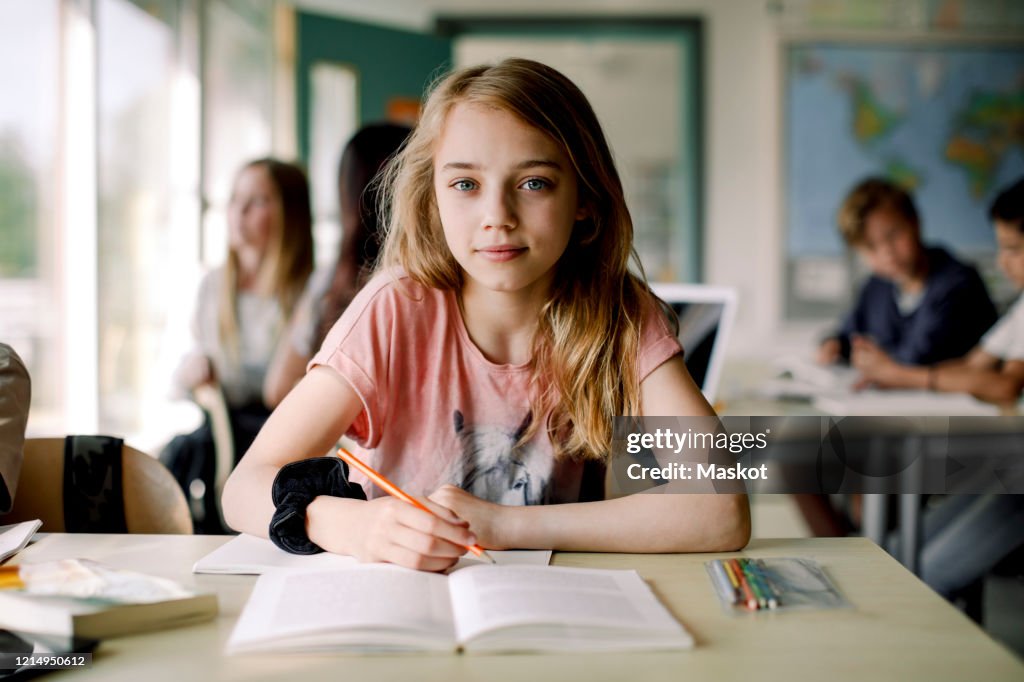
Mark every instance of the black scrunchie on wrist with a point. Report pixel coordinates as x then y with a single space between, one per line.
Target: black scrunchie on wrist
296 485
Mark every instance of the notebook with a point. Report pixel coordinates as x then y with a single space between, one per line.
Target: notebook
250 555
14 538
79 598
381 608
706 315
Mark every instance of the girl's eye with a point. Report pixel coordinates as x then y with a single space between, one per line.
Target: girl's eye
464 185
535 184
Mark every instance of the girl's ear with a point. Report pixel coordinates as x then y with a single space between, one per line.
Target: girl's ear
582 212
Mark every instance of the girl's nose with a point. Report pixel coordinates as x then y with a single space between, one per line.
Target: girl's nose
499 211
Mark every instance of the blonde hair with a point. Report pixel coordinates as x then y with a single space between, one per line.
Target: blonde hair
289 259
592 319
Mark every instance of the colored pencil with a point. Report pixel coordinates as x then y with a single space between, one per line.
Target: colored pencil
748 593
755 586
722 582
392 489
774 596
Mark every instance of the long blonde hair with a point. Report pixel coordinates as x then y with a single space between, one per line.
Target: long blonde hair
592 319
289 259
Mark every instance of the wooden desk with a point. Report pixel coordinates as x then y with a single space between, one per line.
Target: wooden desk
899 629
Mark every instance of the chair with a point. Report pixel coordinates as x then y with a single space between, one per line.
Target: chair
152 500
210 397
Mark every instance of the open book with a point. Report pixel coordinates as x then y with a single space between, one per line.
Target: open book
384 608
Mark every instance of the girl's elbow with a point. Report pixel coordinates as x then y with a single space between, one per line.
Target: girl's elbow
733 531
231 502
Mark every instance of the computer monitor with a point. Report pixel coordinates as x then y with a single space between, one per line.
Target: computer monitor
706 314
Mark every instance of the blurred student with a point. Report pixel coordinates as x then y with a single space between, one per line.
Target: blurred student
920 305
359 199
15 396
965 536
241 314
994 369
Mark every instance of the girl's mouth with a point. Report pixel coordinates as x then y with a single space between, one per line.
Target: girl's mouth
501 254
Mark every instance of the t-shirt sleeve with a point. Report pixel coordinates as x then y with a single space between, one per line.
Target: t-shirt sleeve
358 348
1006 339
657 341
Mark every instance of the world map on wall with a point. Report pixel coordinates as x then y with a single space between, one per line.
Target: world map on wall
945 122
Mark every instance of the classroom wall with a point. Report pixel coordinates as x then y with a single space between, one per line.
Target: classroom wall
742 231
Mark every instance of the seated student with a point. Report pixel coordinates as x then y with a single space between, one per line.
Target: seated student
15 396
994 369
241 313
920 305
482 367
964 536
359 198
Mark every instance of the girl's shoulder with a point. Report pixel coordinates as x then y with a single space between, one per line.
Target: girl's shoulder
392 300
394 289
212 280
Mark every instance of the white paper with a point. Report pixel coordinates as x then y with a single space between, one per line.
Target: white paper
14 538
903 403
250 555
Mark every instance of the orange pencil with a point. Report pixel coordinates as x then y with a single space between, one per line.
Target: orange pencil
392 489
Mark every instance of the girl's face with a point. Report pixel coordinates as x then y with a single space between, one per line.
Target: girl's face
1010 256
255 211
507 197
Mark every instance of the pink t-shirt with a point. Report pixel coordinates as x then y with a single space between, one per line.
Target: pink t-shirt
436 411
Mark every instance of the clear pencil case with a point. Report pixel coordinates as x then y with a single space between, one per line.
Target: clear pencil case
778 584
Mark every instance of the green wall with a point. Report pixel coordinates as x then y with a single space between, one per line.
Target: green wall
389 62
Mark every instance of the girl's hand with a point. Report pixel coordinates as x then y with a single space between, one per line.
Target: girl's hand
396 532
486 519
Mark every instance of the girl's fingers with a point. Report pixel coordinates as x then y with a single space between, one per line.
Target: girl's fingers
425 544
430 524
402 556
442 511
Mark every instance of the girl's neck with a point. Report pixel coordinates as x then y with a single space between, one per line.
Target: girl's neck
249 270
501 324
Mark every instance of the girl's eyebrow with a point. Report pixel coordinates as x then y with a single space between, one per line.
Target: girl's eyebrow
522 165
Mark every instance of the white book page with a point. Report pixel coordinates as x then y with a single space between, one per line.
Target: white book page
491 597
286 605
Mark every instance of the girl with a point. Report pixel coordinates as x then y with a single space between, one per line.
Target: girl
500 336
240 313
359 199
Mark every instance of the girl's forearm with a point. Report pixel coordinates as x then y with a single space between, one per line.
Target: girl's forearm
246 500
637 523
984 384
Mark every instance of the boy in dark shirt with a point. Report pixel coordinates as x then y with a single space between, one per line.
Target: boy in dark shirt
920 305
